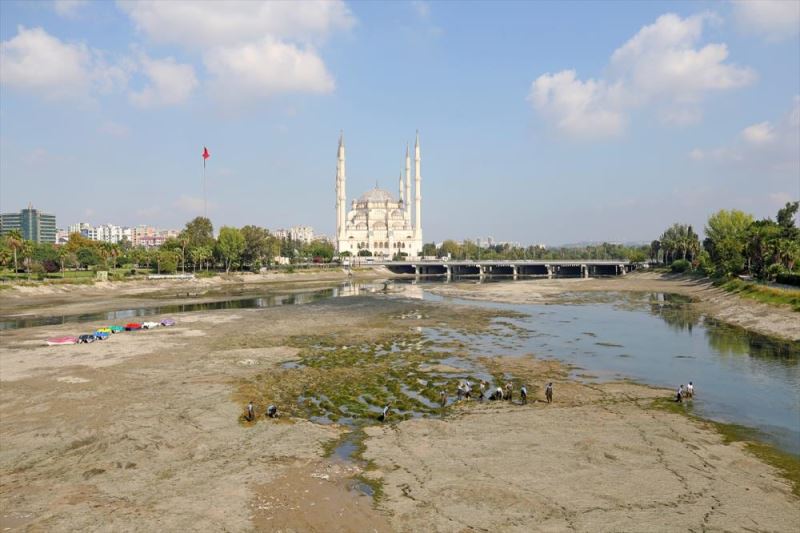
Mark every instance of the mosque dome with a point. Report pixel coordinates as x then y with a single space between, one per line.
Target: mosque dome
376 195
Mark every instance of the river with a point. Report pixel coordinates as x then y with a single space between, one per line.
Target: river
653 338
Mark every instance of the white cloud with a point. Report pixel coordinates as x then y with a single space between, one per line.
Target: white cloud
265 68
765 148
169 83
773 19
758 133
580 108
203 24
251 49
69 8
35 61
663 65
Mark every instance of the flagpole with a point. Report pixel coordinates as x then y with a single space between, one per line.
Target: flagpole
205 199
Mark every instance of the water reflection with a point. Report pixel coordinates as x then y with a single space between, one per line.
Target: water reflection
678 313
660 340
237 300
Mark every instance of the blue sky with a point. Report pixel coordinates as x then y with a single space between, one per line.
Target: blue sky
543 122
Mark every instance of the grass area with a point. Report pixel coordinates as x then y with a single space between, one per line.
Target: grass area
786 463
761 293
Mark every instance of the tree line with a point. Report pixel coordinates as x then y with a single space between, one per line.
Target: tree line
470 250
735 244
194 249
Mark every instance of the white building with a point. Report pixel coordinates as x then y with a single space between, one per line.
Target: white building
304 234
378 222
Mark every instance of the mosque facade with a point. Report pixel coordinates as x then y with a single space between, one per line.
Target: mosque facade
377 221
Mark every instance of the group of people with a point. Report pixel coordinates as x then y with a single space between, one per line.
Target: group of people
464 391
250 412
684 392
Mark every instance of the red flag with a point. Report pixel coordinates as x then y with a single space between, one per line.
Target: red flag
206 155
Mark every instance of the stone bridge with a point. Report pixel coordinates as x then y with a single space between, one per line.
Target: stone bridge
511 269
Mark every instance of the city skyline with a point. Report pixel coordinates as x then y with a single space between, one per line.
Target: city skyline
664 112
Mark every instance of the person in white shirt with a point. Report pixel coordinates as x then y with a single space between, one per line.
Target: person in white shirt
690 390
251 412
385 413
524 394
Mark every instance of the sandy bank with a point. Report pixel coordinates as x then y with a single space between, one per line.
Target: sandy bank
771 320
598 459
44 298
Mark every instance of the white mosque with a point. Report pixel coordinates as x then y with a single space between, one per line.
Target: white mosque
378 222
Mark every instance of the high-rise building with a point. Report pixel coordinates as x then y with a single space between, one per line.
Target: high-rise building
31 223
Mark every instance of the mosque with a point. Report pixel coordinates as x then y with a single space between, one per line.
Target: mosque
377 222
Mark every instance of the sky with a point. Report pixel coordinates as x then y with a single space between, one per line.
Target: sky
539 122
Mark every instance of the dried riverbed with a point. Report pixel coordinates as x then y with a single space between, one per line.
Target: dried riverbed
144 431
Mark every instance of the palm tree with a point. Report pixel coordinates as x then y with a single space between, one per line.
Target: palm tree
27 255
15 242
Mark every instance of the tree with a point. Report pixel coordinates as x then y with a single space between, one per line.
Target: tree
198 232
200 255
655 248
429 249
87 257
230 245
256 244
321 249
167 261
726 233
26 251
77 241
450 248
15 241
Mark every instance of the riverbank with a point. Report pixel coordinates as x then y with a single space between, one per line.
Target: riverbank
773 320
600 458
141 431
69 299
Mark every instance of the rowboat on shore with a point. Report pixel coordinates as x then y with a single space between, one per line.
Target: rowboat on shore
132 326
58 341
101 335
167 322
86 339
105 330
116 329
150 325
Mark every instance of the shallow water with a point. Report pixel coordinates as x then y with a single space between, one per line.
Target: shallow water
659 340
224 302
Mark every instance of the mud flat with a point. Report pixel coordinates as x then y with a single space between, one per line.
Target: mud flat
40 298
144 432
601 458
781 322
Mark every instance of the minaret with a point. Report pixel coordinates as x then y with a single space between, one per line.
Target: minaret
400 189
417 194
341 196
408 184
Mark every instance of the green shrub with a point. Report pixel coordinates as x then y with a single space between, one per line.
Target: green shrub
680 265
